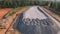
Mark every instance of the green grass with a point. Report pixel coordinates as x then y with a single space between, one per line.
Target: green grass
16 9
11 13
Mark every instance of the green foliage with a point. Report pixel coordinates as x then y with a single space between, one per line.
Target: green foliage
20 3
14 11
55 7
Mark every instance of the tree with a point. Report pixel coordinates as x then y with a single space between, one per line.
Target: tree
55 4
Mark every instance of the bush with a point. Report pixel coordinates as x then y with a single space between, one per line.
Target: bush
55 7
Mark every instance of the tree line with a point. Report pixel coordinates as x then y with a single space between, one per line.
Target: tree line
13 4
19 3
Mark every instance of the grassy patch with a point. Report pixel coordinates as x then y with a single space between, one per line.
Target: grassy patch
11 13
16 9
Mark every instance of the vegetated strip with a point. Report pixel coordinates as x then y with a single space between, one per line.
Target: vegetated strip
16 9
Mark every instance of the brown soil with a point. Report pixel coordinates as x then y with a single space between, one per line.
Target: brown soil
3 12
10 23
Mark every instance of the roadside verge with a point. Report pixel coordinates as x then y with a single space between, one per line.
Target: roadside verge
52 14
10 21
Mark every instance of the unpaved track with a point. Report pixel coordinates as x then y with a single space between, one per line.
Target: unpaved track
36 21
